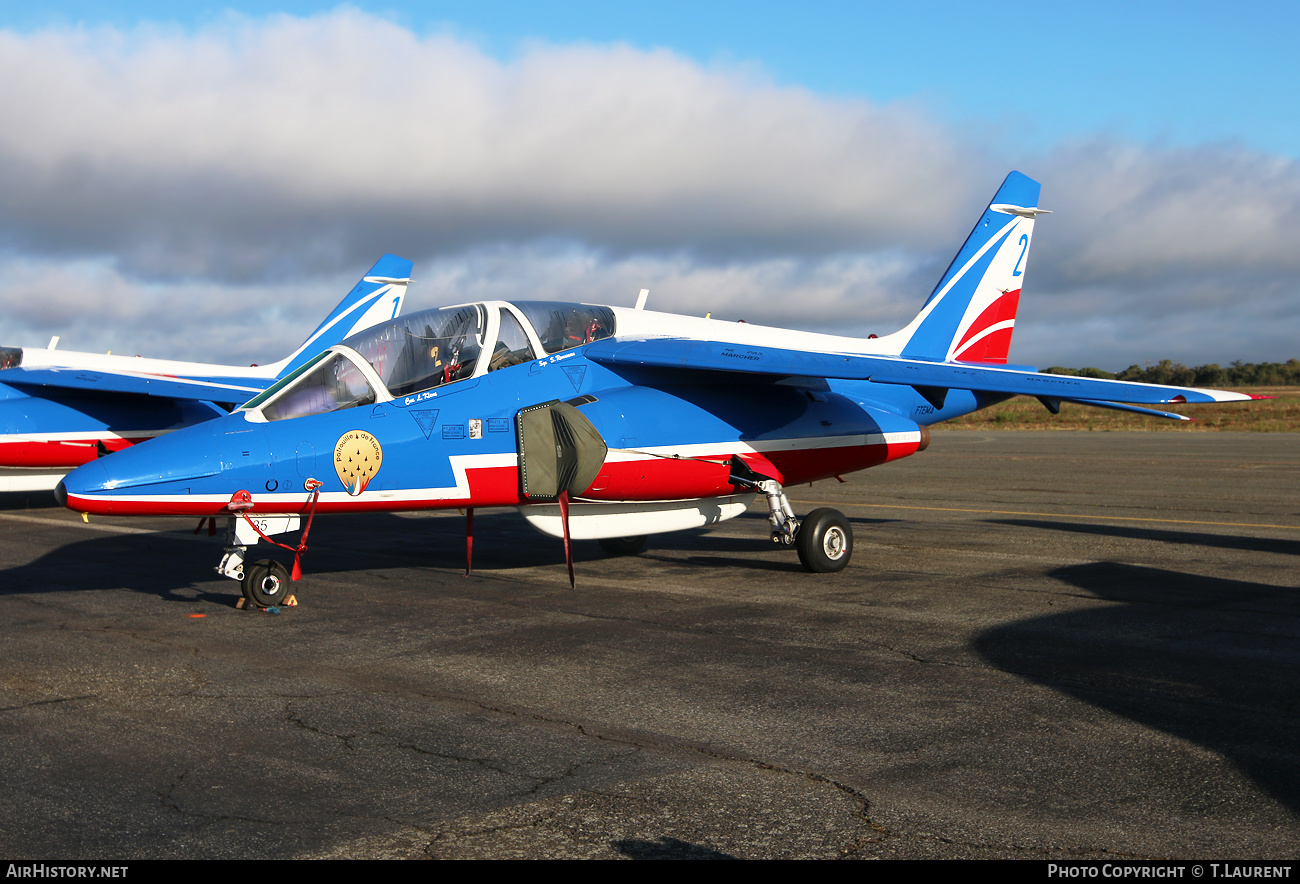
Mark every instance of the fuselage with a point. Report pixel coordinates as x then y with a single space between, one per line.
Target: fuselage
669 434
46 431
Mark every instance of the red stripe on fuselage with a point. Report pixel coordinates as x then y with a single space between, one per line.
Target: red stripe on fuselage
59 453
649 479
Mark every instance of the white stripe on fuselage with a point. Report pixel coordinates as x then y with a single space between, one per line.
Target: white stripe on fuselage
73 437
461 463
620 455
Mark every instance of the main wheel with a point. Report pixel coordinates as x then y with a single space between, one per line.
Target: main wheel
622 546
825 541
266 583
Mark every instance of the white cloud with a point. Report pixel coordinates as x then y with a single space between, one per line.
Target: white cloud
1133 212
208 153
94 307
239 178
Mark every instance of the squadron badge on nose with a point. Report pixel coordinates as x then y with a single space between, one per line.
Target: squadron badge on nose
357 457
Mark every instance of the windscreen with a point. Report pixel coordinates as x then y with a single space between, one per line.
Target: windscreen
334 384
274 390
425 349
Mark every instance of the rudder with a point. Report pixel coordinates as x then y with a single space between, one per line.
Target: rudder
970 315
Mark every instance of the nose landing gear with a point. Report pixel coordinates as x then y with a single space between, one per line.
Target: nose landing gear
264 583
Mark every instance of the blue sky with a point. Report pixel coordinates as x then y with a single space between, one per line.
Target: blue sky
1183 72
812 165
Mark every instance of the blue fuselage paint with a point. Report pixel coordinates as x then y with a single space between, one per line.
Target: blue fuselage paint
421 434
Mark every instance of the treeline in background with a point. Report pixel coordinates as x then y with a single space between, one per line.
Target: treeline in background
1238 374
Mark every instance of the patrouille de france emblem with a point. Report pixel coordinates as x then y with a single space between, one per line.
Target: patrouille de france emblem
357 457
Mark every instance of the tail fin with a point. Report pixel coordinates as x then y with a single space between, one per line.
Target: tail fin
376 298
971 313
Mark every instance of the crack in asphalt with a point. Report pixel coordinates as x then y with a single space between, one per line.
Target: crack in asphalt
345 739
485 763
649 743
167 799
49 702
637 744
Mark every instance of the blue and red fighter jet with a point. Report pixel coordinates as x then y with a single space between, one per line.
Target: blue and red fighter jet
601 422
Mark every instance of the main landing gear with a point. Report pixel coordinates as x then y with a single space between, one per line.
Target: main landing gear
824 539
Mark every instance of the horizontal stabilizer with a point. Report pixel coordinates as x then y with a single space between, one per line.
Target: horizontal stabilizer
234 390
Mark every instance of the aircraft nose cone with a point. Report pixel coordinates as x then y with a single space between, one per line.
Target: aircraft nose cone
87 479
167 468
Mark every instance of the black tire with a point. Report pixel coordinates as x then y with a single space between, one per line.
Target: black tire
825 541
265 583
622 546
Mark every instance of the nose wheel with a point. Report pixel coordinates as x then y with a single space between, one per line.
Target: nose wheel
265 583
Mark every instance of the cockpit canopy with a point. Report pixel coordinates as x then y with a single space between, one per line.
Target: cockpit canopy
425 349
428 349
563 326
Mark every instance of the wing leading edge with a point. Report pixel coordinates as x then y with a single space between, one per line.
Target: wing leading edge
931 379
212 389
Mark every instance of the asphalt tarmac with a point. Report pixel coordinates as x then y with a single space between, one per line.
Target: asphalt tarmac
1048 645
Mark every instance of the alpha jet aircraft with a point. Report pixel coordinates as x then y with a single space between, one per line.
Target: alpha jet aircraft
60 409
602 422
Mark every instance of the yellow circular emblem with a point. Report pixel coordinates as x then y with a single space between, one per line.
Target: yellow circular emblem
357 457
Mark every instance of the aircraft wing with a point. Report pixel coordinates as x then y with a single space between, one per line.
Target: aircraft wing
212 390
930 379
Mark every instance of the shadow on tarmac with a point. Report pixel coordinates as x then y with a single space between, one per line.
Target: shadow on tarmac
1205 659
175 565
1221 541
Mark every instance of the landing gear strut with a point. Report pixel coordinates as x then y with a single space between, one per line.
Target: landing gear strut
241 534
265 583
824 539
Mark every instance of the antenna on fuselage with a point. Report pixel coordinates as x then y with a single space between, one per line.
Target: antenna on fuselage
641 299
